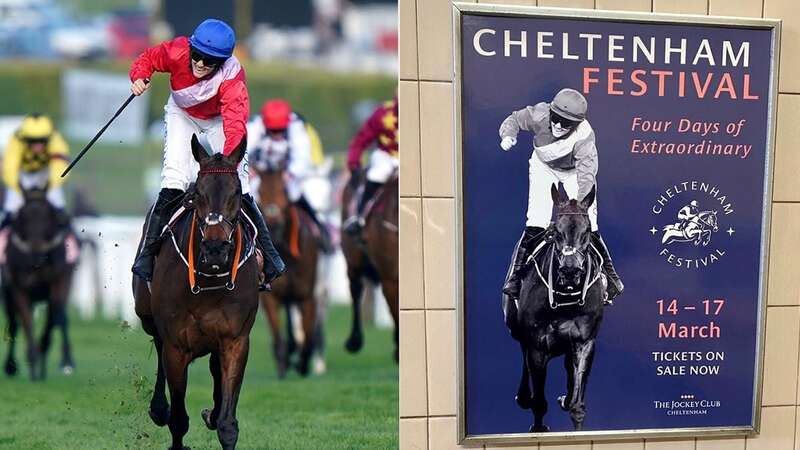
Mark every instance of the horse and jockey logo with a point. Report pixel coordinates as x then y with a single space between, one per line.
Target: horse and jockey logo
700 209
693 226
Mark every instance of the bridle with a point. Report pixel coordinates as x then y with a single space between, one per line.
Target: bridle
213 219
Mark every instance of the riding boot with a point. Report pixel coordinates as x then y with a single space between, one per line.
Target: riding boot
355 224
615 286
530 238
159 215
324 236
273 264
7 218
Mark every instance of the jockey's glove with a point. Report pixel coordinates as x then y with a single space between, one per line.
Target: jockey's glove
508 142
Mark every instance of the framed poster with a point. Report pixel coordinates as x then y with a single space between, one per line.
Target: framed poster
600 152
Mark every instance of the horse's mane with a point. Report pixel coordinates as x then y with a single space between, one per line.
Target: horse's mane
571 207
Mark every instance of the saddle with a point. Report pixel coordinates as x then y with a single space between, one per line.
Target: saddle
543 261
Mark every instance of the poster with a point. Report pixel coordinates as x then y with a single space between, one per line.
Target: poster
675 137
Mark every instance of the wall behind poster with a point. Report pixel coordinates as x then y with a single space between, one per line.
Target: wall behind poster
634 378
428 356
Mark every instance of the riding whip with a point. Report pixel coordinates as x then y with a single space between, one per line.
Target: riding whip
99 133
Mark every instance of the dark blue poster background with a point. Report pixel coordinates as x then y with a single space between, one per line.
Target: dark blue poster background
624 384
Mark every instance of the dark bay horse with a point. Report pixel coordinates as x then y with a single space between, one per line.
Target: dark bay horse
562 321
37 270
374 257
208 310
292 233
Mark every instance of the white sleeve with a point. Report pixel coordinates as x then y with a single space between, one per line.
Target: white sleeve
255 131
300 145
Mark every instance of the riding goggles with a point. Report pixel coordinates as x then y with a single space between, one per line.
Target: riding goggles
210 61
563 121
33 141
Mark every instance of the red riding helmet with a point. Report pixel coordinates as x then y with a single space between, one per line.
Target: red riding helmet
275 114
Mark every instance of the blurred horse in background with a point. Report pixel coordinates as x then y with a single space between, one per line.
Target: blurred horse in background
38 268
293 234
374 255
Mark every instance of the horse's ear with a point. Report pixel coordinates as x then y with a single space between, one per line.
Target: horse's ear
198 151
237 154
589 199
554 194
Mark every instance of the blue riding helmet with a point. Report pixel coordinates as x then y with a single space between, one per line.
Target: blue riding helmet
214 38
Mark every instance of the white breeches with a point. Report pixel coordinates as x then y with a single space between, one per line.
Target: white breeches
381 166
540 203
27 180
180 168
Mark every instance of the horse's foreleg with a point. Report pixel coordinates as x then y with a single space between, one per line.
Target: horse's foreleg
308 313
233 360
210 416
62 322
537 367
25 314
356 339
175 364
524 398
391 293
44 341
272 308
11 362
566 400
582 355
159 407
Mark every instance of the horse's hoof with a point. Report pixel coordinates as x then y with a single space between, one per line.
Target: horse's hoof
522 402
303 368
11 368
319 366
539 429
562 402
160 418
354 343
206 415
67 369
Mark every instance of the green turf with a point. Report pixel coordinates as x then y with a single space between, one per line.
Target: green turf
104 404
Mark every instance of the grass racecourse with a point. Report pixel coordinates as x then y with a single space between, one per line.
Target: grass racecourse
103 405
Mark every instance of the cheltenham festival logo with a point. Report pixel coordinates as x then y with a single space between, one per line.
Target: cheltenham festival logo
691 237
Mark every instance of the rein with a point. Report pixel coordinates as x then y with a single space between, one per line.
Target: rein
551 292
236 228
231 284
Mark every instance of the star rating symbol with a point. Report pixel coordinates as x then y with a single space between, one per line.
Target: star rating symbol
730 231
653 231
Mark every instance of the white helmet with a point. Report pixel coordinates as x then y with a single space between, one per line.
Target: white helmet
570 104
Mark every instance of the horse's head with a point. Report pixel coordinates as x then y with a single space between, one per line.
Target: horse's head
271 167
712 220
36 224
572 234
217 202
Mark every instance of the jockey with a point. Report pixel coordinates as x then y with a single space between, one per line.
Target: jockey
208 96
381 127
687 214
282 134
35 157
563 150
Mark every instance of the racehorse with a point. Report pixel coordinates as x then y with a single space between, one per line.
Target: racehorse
292 233
561 314
204 304
37 269
698 230
374 255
